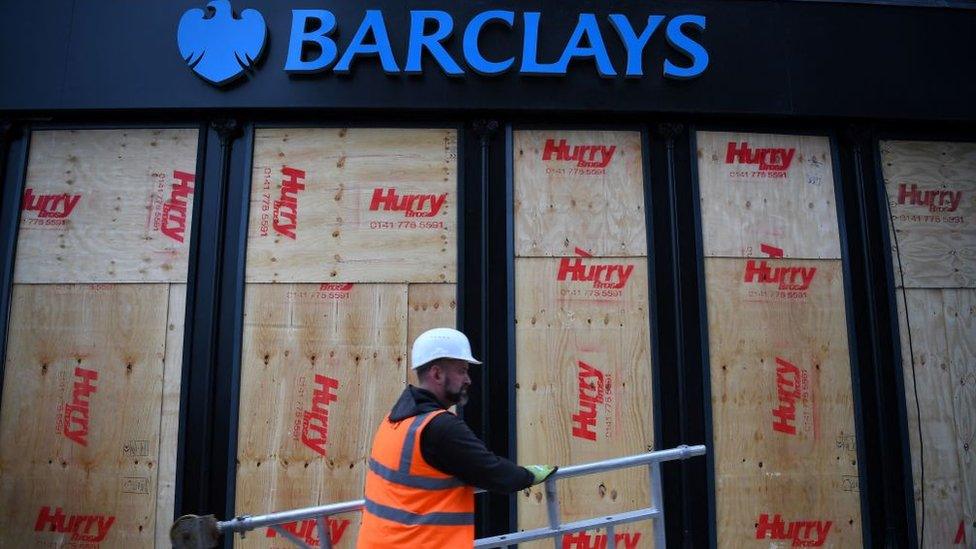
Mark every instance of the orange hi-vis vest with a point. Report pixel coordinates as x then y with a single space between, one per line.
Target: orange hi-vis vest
408 502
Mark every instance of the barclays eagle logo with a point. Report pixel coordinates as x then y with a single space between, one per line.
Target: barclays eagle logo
219 46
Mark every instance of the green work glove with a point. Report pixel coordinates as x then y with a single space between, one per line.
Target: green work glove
541 472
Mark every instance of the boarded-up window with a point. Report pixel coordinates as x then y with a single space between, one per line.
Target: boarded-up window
782 407
583 348
931 192
89 416
352 253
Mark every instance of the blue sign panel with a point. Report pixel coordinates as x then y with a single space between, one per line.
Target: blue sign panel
219 46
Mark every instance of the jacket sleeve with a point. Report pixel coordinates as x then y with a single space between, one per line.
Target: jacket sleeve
449 445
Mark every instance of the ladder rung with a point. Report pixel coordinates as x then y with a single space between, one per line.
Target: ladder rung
568 528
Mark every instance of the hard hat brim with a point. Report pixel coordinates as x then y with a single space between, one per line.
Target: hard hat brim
468 359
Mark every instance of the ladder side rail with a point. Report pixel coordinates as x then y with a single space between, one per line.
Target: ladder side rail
246 523
566 528
552 506
681 452
325 535
652 460
657 501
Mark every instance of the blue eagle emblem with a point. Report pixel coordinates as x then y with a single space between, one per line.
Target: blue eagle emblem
219 46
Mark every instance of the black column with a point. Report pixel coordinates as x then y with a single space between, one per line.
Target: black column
230 319
11 181
482 303
7 134
204 434
887 478
683 400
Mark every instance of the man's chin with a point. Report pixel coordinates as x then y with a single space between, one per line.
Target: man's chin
459 399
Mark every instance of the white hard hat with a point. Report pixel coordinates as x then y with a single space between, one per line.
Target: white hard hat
440 343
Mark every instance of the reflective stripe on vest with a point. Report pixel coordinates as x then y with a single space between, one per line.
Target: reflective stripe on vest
403 477
413 481
405 517
406 454
402 474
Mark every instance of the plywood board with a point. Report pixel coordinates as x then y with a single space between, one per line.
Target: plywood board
322 365
960 314
767 189
941 391
931 192
169 419
782 405
579 189
583 384
80 423
429 306
107 206
361 205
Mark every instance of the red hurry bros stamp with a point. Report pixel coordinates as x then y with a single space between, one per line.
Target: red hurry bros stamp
777 281
313 424
74 416
770 162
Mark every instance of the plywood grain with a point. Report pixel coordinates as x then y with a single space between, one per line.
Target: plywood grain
745 205
350 344
584 351
960 315
941 392
579 189
76 352
107 206
169 419
361 205
782 403
931 191
429 306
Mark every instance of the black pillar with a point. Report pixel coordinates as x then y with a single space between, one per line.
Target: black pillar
202 476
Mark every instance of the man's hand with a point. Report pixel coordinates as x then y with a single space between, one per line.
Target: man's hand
541 472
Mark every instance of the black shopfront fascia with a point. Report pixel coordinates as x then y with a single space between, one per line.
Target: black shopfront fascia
854 72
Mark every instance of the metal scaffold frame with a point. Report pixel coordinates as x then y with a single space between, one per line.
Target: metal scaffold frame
192 532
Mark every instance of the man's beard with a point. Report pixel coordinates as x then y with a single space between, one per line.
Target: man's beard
458 398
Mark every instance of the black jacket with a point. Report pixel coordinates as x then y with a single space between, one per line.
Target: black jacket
449 446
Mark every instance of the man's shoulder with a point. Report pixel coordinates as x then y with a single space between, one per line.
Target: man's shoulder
446 424
445 417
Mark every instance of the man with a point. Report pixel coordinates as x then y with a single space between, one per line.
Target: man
425 460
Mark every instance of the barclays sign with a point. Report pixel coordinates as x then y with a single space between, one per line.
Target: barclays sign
220 46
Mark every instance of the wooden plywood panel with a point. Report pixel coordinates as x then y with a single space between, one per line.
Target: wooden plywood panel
579 189
107 206
583 384
80 424
767 189
429 306
782 405
960 315
321 367
361 205
942 339
169 419
931 190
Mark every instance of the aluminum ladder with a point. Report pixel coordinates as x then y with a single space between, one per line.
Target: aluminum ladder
196 532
